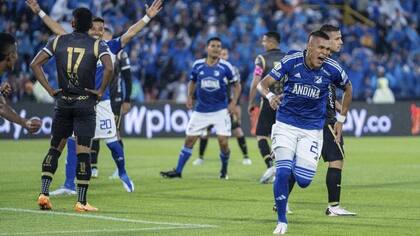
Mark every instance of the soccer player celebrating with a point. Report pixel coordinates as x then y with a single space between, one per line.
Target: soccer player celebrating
8 58
76 55
105 124
332 152
235 119
297 134
264 63
209 80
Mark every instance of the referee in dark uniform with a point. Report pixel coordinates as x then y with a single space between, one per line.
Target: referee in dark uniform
76 55
264 63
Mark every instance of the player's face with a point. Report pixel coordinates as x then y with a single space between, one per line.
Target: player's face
336 41
318 51
224 54
265 42
97 31
214 48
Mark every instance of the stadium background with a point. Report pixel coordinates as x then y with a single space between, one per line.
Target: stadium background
381 40
381 44
381 176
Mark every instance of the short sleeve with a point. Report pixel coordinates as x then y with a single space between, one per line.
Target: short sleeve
281 69
340 78
103 49
230 72
124 60
259 62
193 74
49 47
236 74
115 45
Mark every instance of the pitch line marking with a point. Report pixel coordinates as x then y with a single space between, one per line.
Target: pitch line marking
99 231
102 217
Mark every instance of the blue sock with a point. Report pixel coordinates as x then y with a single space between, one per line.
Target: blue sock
183 158
71 163
117 153
224 158
281 188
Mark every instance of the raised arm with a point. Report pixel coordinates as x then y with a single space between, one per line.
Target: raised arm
53 25
151 12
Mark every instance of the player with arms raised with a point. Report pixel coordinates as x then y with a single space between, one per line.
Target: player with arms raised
105 124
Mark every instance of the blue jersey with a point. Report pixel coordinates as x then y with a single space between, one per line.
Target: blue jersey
114 46
306 90
212 84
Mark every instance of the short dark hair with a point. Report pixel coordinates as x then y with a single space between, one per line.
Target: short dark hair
98 19
274 35
319 34
327 28
213 39
6 41
83 19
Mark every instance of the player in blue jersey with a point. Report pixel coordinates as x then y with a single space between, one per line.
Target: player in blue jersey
332 152
209 80
297 134
8 58
105 123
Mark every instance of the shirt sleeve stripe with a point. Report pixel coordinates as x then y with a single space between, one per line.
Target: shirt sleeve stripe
103 54
55 42
48 52
96 48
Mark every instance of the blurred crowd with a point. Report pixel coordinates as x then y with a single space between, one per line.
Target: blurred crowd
161 56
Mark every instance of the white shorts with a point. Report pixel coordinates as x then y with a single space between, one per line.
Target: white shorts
105 121
306 145
200 121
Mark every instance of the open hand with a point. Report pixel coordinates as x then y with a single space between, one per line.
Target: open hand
154 9
33 4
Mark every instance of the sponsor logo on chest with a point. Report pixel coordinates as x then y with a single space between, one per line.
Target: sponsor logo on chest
306 90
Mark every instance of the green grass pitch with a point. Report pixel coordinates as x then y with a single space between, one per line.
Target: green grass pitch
381 182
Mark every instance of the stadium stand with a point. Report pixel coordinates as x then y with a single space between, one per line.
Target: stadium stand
378 34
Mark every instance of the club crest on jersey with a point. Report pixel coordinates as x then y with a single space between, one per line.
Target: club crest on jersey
318 79
306 90
297 75
216 73
210 84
